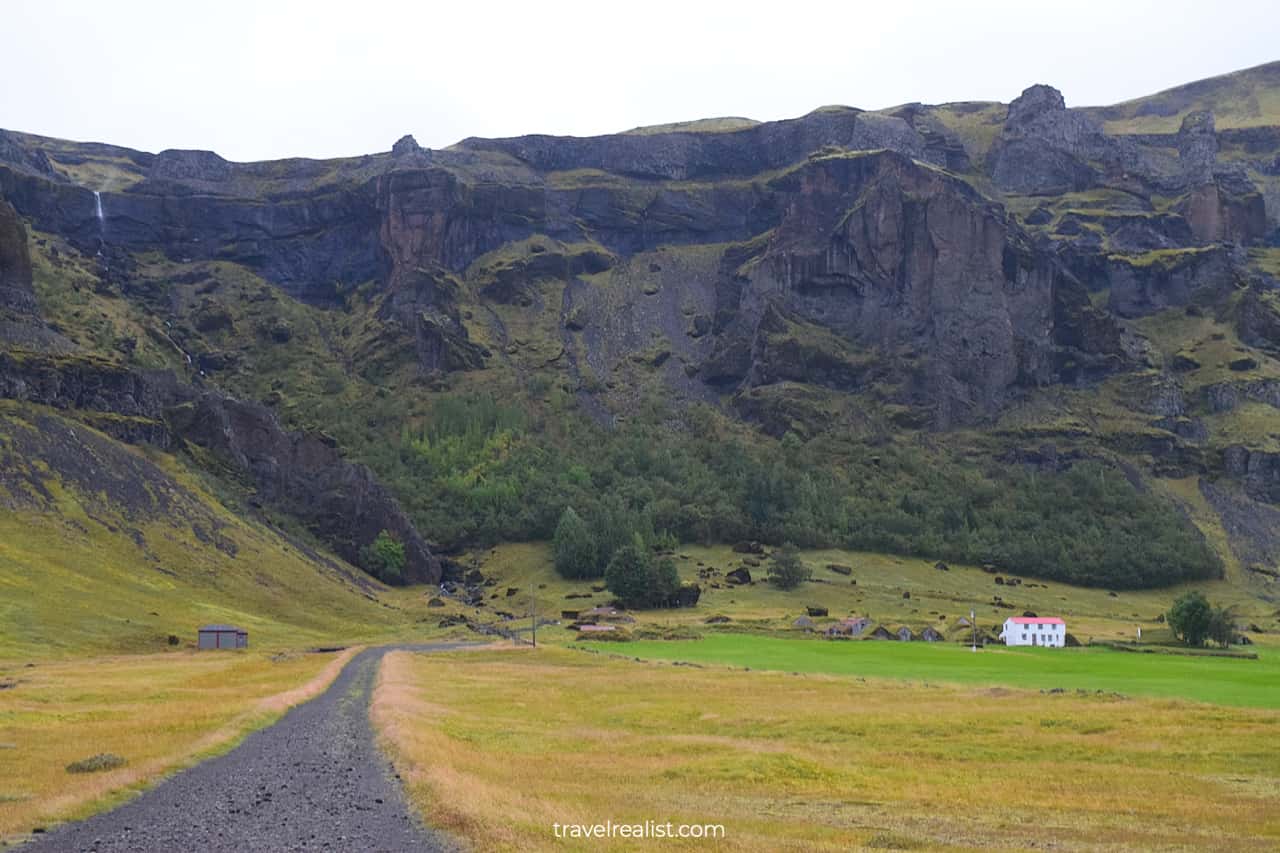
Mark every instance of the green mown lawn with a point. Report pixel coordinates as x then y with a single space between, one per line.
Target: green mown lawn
1226 681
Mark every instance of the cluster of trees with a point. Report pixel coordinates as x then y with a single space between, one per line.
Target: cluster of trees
1194 621
480 471
630 569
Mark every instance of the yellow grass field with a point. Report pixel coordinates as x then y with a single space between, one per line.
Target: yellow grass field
499 750
160 712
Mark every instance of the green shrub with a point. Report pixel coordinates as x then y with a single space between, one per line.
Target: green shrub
384 558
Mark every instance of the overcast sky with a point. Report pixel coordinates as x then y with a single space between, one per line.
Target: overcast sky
264 79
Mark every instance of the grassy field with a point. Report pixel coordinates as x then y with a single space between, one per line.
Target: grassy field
158 712
501 748
1253 683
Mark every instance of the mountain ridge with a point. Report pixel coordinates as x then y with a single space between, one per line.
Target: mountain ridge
973 280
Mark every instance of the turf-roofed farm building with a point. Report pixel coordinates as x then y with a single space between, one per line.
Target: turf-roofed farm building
1034 631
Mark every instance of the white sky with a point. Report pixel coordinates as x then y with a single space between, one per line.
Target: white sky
276 78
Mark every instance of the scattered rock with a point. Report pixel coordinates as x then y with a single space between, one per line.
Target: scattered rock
816 611
839 569
738 576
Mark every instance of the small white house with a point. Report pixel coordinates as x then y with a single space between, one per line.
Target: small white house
1034 631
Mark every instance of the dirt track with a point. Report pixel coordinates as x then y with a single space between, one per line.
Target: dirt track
313 781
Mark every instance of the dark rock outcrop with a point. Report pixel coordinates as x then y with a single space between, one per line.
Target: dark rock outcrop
895 256
21 325
1045 148
1258 317
303 475
1227 209
1148 283
1258 471
17 300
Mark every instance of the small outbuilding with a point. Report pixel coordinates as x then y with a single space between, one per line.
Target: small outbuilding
880 633
931 635
222 637
904 634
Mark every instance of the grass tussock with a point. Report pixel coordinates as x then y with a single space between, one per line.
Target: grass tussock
97 763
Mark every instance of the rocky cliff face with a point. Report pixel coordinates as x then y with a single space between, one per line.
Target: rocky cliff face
303 475
17 300
911 262
947 261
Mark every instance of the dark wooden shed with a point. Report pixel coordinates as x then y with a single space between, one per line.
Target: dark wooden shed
222 637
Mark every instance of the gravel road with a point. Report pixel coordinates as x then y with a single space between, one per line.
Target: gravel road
313 781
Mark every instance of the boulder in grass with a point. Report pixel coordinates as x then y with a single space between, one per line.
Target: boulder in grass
840 569
738 576
816 611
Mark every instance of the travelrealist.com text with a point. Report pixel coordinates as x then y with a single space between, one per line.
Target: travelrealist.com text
648 829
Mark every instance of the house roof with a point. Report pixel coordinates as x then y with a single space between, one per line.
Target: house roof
1036 620
219 628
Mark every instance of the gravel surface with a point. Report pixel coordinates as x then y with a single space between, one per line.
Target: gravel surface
313 781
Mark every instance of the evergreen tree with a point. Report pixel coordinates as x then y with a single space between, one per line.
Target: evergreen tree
575 547
787 570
